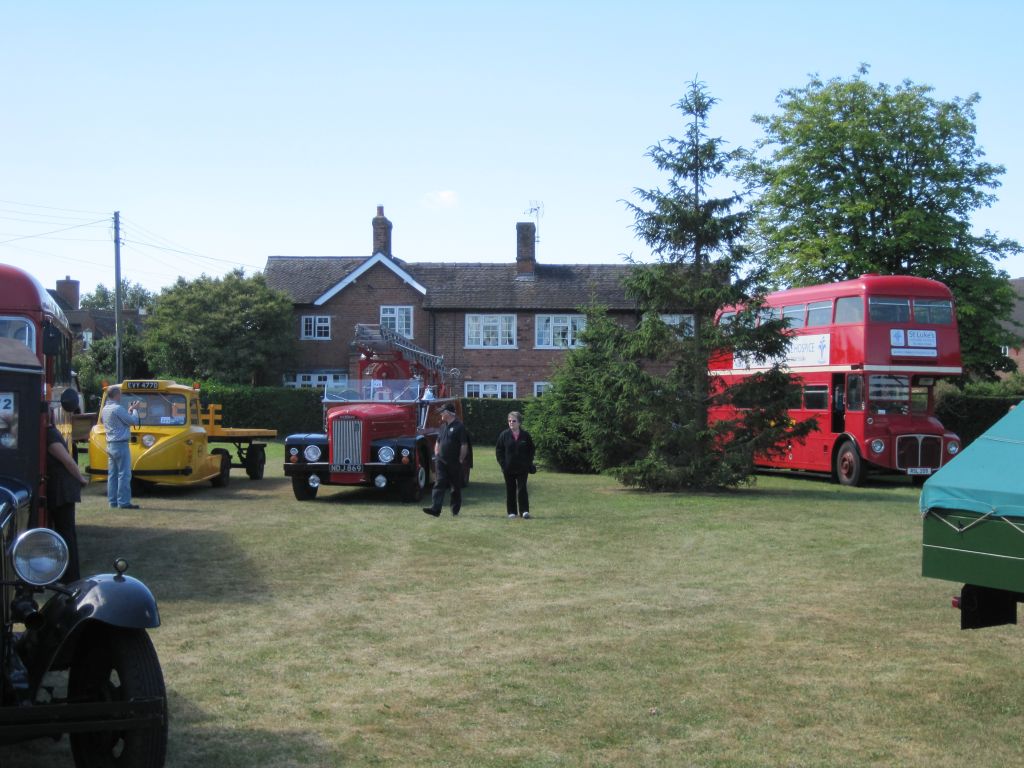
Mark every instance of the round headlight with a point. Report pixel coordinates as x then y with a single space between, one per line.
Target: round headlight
380 481
314 481
293 451
149 440
40 556
386 454
953 448
312 453
877 446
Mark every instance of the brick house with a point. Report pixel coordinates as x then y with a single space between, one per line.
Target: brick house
89 325
1016 351
502 328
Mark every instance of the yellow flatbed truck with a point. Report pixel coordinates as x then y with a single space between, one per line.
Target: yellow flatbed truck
172 444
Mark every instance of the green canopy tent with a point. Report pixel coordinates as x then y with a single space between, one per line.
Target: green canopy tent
973 523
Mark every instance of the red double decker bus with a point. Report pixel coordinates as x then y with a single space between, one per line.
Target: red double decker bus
30 317
867 354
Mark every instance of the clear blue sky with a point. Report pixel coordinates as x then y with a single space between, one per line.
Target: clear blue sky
237 130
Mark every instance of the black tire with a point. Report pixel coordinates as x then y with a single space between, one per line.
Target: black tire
224 476
255 461
115 664
301 488
849 468
412 489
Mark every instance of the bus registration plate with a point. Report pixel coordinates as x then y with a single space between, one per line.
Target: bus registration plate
338 468
919 471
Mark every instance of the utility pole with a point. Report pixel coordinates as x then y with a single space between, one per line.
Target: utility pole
117 295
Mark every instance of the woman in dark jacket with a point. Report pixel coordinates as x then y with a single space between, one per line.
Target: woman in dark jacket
514 452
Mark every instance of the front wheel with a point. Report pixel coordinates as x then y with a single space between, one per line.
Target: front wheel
412 489
224 476
302 489
849 465
114 664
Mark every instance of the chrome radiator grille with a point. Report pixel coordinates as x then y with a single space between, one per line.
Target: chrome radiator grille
347 442
918 451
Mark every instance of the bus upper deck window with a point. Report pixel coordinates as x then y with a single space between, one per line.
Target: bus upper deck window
793 314
888 309
819 313
934 311
849 309
726 318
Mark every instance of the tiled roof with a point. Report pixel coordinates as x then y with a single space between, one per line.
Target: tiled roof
463 286
306 278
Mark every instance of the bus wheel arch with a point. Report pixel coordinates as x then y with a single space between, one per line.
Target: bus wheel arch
847 465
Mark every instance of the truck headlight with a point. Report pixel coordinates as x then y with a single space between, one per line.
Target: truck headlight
386 454
877 446
39 556
953 448
312 453
149 440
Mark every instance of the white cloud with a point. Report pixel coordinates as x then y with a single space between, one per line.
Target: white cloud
442 199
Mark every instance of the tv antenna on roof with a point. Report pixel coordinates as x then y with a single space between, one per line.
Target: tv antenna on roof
536 210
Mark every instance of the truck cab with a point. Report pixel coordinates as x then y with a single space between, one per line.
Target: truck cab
173 443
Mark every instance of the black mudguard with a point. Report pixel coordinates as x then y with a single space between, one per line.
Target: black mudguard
116 600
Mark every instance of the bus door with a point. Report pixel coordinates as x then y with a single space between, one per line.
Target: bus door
838 403
853 411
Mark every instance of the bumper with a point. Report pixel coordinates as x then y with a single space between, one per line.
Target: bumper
20 723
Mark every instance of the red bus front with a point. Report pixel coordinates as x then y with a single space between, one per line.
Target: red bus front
29 316
867 354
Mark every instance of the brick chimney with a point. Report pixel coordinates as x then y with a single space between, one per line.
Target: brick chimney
68 290
526 249
381 233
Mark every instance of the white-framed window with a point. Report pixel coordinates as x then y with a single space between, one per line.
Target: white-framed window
316 328
398 319
559 331
86 338
683 321
504 390
315 379
540 387
491 331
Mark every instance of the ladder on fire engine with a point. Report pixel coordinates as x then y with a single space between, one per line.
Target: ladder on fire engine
376 339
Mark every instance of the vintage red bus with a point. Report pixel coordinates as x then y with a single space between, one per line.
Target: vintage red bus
30 316
867 354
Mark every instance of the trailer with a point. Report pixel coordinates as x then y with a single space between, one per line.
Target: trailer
172 444
973 525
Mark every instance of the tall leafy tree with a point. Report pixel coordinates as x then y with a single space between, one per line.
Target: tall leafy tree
645 408
856 177
133 296
233 329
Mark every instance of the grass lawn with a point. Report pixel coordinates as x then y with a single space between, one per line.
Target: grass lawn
780 625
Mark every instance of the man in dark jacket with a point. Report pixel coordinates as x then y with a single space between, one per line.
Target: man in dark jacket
515 452
450 452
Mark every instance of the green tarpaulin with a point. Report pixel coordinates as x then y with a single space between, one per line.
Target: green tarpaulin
987 477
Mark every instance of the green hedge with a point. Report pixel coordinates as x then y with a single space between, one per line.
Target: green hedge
290 411
970 415
282 408
486 418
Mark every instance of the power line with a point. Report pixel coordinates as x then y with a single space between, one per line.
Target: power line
51 208
52 232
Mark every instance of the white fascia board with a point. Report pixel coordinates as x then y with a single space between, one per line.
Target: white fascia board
370 263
